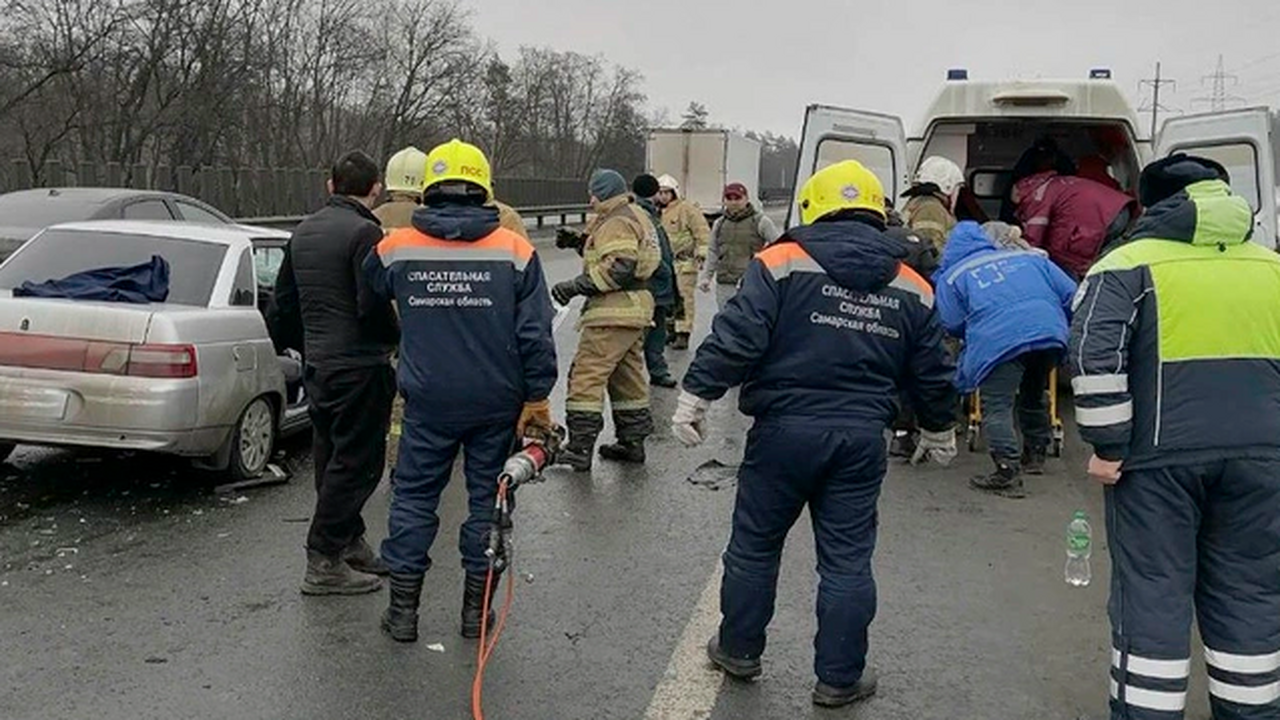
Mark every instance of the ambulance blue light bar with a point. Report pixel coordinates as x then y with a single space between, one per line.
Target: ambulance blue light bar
1100 74
957 74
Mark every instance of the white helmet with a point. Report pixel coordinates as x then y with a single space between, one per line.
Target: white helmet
406 171
666 182
941 172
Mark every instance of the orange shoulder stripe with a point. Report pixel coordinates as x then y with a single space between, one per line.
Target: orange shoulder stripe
500 239
781 254
906 273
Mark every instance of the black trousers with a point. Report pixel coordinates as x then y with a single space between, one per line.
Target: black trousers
350 417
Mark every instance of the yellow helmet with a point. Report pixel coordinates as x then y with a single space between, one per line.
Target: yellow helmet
845 185
406 171
457 161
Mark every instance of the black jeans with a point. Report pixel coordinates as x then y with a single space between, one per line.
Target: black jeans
1019 384
655 344
350 416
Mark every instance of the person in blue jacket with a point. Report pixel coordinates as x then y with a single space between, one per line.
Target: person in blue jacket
828 325
477 366
1011 307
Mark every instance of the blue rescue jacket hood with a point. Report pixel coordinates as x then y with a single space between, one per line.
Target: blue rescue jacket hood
467 223
966 240
856 255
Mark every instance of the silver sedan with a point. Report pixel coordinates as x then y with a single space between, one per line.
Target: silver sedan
196 375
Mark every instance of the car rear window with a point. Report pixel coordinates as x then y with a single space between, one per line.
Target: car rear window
193 265
40 210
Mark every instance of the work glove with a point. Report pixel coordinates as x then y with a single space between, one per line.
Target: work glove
567 239
940 447
535 420
689 422
704 283
567 290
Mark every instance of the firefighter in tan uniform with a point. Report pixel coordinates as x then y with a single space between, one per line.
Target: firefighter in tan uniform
405 179
690 237
509 219
930 208
619 255
406 174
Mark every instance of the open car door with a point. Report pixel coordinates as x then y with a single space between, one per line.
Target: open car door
1241 141
834 134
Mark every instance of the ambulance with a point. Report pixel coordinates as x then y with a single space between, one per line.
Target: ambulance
984 127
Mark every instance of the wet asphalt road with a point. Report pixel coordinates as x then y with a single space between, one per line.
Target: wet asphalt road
129 589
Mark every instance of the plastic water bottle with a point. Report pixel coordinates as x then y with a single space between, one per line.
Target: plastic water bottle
1079 550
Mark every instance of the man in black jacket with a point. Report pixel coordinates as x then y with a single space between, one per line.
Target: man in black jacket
662 285
348 335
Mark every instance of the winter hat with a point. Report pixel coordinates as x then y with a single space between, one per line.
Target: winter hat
1006 236
645 186
1165 178
606 185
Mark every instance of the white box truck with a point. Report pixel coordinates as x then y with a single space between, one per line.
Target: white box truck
703 162
984 126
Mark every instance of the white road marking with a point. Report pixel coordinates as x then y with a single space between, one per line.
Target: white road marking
689 686
562 312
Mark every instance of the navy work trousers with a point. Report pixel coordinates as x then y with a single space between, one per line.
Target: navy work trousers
423 468
1203 538
837 473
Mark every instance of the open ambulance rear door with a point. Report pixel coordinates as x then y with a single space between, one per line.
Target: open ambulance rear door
1241 141
834 134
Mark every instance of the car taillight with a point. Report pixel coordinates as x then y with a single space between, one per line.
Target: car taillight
95 356
162 361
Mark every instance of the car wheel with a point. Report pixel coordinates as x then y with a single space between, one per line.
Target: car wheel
6 449
253 440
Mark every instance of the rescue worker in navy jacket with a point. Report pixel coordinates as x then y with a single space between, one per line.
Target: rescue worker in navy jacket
477 365
828 325
1175 349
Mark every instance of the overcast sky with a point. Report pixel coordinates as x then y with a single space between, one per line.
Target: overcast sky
757 64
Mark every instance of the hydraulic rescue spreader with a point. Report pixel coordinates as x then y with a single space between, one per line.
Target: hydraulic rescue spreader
524 467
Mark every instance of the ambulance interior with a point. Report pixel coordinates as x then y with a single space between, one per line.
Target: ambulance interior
988 152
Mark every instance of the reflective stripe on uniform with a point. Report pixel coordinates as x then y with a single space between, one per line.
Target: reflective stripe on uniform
1245 694
409 245
928 225
1106 415
1152 668
981 260
1245 664
1100 384
910 281
785 258
1150 699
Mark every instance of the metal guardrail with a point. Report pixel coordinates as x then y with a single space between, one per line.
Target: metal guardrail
539 213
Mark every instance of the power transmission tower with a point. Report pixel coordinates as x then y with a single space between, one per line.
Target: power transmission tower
1219 99
1154 106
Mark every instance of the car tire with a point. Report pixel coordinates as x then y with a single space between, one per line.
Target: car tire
253 440
6 449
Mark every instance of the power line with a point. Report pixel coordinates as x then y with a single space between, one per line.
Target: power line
1219 99
1154 106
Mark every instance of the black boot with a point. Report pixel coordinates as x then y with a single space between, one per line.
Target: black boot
584 428
332 576
632 426
400 619
624 451
363 559
1033 460
1005 481
473 605
662 381
740 668
825 695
